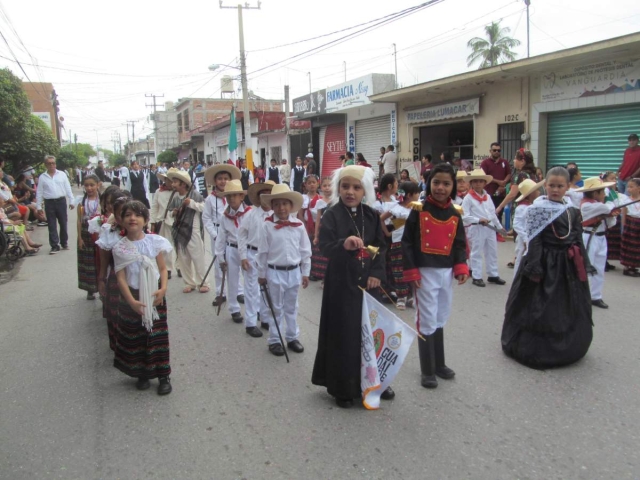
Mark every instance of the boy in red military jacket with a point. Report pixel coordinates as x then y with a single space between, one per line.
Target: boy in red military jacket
434 250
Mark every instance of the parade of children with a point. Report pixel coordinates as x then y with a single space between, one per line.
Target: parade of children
407 246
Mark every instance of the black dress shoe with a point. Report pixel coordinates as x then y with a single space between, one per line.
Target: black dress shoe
240 299
429 381
276 349
445 372
609 267
219 301
295 346
264 325
599 303
478 282
143 383
313 278
630 273
388 394
169 274
496 280
237 317
165 386
344 402
255 332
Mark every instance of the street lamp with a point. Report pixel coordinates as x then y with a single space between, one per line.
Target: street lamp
246 115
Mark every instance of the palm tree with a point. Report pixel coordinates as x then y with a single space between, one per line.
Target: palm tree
495 49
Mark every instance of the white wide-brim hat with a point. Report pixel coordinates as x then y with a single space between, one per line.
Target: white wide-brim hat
255 188
211 172
279 191
234 186
594 183
526 187
179 175
478 174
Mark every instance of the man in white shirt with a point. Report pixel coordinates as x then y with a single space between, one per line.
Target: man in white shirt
285 172
124 178
53 187
390 161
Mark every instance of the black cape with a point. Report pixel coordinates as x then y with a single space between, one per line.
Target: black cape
548 323
337 364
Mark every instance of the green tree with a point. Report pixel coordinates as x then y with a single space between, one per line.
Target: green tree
168 156
493 50
68 158
84 150
107 153
117 160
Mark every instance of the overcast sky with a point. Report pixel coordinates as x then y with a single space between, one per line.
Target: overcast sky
102 57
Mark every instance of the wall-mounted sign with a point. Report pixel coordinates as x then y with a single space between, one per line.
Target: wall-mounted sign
350 94
310 104
436 113
45 117
589 80
394 126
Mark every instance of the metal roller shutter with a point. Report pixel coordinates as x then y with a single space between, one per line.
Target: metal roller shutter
333 146
371 134
594 139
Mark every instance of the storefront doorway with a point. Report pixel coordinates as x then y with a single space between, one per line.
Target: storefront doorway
455 138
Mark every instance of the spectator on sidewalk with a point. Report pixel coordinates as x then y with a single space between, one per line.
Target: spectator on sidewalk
390 161
630 167
500 170
53 190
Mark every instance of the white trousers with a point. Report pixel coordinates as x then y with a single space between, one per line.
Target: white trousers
520 245
233 278
598 257
483 241
169 258
217 271
433 299
252 290
191 262
284 287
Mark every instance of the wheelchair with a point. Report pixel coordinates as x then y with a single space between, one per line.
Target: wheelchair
10 243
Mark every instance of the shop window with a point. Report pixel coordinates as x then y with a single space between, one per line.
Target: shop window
185 120
455 138
509 138
179 121
276 154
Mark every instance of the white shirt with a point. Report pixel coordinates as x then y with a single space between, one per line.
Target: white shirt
474 211
124 172
50 188
389 162
591 210
250 230
213 213
284 247
398 211
382 207
150 246
159 206
520 220
573 198
228 231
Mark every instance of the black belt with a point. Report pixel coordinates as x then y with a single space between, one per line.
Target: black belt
54 199
251 247
286 269
234 245
597 234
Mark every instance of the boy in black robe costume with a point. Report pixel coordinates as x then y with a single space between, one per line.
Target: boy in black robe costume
337 363
548 313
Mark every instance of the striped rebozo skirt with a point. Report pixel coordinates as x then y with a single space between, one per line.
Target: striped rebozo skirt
397 270
630 245
87 264
318 262
614 237
139 353
110 307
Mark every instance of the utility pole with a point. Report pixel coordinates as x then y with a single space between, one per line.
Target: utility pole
527 3
246 114
286 121
395 60
155 124
133 136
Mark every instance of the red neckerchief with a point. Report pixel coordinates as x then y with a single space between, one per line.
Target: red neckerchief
282 223
236 216
526 201
224 200
311 226
462 195
478 197
164 188
438 204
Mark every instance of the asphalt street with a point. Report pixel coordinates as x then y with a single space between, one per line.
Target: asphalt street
236 411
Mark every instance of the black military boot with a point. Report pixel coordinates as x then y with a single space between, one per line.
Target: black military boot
441 369
427 362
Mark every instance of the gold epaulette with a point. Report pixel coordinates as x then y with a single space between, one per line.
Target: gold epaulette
417 206
458 208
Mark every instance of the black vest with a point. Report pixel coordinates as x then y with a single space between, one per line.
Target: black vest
137 182
244 179
274 174
298 177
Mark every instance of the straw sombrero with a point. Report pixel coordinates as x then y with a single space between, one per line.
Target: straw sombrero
255 188
478 174
526 187
282 190
211 172
462 174
594 183
234 186
179 175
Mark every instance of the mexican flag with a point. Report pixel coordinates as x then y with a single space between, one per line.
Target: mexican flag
233 138
386 340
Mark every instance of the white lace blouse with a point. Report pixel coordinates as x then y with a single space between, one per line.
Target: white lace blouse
150 246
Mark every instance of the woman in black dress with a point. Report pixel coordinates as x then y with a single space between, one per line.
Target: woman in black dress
548 314
348 226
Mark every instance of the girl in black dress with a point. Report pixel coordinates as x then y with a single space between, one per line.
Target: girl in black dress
548 314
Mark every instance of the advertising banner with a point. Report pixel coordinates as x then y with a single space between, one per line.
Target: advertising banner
350 94
436 113
589 80
310 104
